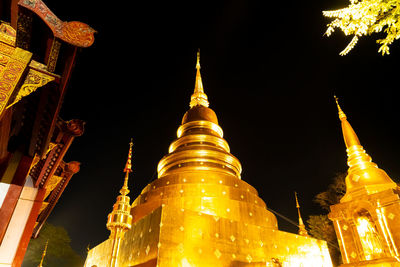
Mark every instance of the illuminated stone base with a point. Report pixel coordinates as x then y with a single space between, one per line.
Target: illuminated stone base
176 237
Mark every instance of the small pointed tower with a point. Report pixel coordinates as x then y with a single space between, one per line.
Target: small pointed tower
302 227
367 219
120 219
44 254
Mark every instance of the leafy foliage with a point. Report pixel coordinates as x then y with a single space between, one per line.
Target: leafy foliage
334 193
365 17
59 251
320 226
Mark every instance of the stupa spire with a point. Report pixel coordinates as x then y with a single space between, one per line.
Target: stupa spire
120 219
302 227
350 137
198 97
128 169
362 173
44 254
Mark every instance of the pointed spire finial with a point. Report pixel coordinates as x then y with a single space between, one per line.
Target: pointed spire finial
302 227
128 169
44 254
297 201
120 219
362 171
128 165
350 137
198 60
342 116
198 97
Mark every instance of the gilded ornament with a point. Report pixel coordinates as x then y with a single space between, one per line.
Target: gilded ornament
11 74
33 81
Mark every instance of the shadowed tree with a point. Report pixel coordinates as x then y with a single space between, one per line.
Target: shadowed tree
333 194
320 226
59 251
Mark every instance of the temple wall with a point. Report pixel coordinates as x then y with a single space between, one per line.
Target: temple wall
99 256
189 238
179 237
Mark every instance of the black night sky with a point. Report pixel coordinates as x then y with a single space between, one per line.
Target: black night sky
270 76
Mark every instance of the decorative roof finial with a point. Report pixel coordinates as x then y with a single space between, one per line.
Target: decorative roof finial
198 60
342 116
198 97
350 137
302 227
128 169
44 254
120 218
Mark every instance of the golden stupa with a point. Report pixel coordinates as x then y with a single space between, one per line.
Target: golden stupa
367 219
200 213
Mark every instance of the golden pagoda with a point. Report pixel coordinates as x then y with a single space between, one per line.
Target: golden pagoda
367 219
199 212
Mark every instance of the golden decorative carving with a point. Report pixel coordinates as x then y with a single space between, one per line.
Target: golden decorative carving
51 184
6 49
43 207
11 74
55 50
36 158
7 34
33 81
4 59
